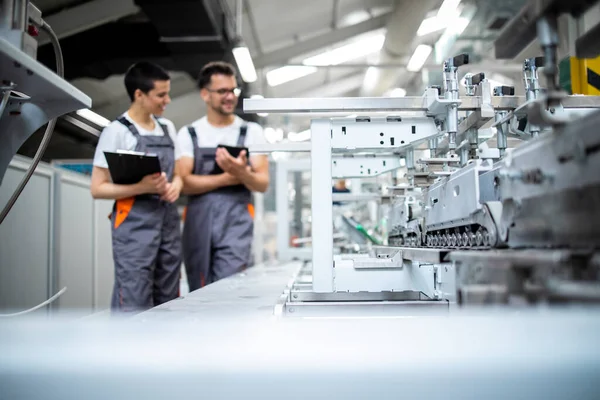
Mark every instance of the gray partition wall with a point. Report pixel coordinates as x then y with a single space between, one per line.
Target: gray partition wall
74 241
56 235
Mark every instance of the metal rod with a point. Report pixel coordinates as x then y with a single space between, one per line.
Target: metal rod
239 17
322 198
347 105
6 15
5 97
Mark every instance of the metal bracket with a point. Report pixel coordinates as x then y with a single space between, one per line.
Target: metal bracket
46 96
438 107
380 134
362 167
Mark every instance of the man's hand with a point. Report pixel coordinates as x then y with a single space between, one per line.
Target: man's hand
172 192
230 180
233 166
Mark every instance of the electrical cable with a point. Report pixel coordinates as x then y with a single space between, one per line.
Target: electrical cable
5 97
49 129
60 70
50 300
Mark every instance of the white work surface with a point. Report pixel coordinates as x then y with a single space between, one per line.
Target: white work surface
222 342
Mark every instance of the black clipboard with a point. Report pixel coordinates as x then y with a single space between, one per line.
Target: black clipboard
127 168
234 151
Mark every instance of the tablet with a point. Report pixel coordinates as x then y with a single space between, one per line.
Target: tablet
127 168
234 151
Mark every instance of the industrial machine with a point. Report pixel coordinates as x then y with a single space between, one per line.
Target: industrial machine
499 198
492 198
32 95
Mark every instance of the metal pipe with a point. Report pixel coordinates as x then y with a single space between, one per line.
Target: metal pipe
6 15
20 15
5 96
548 36
238 18
501 133
410 166
464 155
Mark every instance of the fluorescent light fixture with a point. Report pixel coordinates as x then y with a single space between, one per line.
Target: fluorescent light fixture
371 77
273 135
300 136
397 92
288 73
419 57
280 155
93 117
448 8
430 25
351 51
454 29
259 96
447 16
244 63
459 25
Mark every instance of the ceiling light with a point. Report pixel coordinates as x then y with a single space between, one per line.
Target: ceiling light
397 92
447 16
352 51
430 25
448 8
300 136
93 117
244 63
273 135
259 96
419 57
288 73
459 25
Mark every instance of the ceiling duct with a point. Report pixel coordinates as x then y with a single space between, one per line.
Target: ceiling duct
180 35
397 48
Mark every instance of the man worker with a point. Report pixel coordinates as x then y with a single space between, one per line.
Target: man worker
146 238
339 187
217 233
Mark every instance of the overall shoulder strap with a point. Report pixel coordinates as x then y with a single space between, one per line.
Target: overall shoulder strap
242 136
165 129
192 132
129 126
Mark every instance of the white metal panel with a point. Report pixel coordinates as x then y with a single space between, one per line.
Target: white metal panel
411 277
322 214
74 242
25 242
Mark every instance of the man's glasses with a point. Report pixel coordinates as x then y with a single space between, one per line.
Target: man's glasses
222 92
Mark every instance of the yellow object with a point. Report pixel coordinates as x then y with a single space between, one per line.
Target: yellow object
585 76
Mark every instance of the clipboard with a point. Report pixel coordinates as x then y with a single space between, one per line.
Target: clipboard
129 167
234 151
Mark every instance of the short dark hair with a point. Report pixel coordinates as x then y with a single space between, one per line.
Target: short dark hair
214 68
142 75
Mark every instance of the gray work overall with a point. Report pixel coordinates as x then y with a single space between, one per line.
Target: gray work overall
217 232
146 237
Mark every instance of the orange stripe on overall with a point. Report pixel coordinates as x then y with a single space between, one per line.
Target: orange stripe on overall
123 207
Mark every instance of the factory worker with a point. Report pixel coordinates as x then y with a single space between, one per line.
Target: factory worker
217 233
146 238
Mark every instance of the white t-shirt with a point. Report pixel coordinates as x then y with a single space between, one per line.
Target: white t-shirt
211 136
116 136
